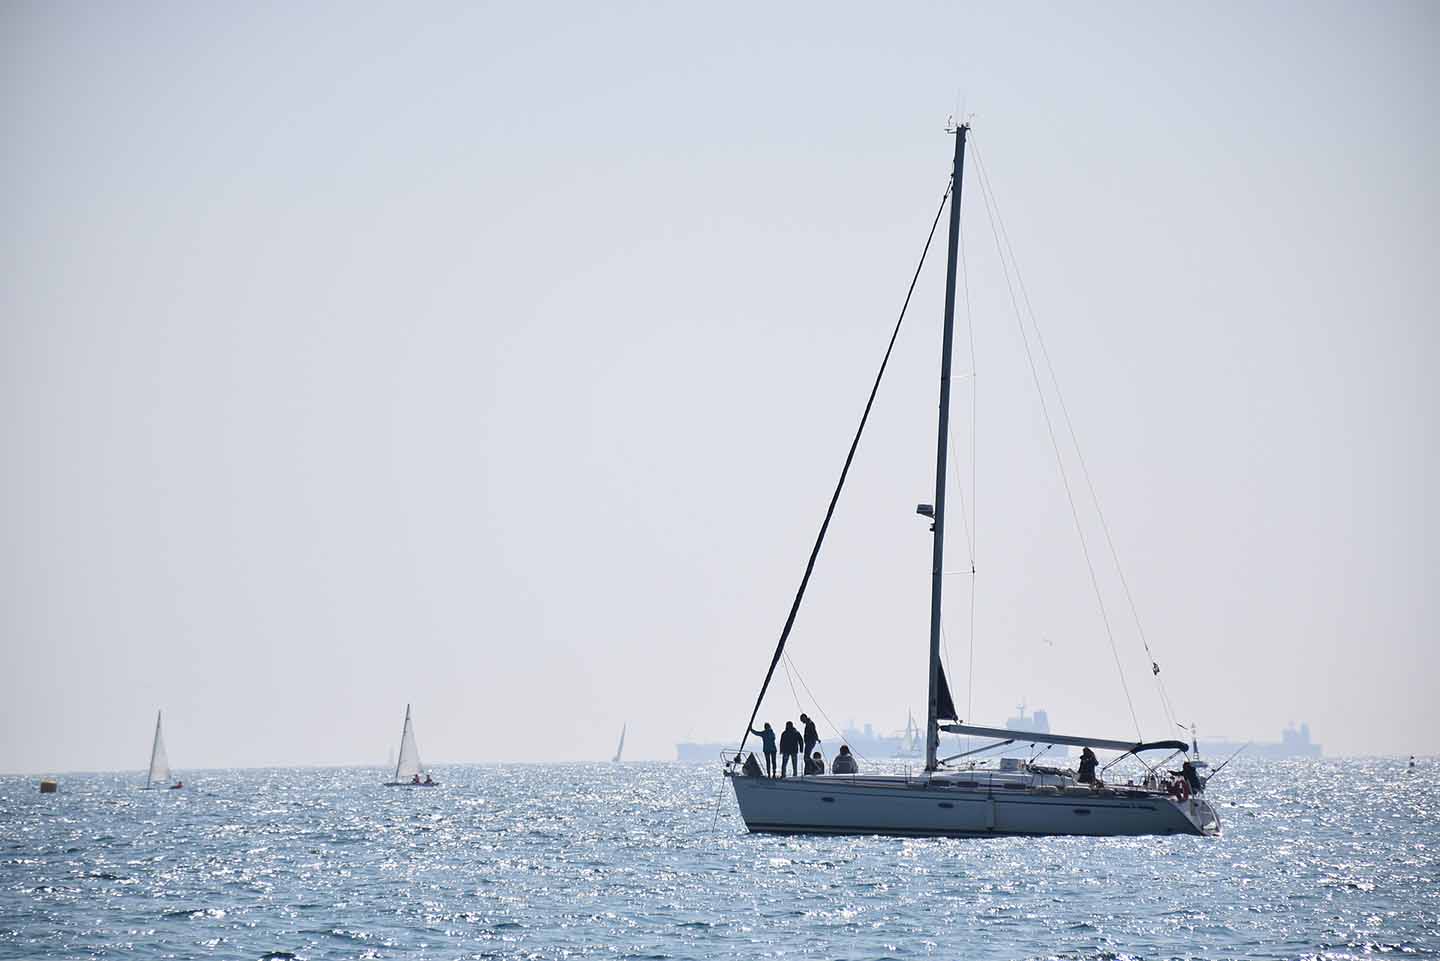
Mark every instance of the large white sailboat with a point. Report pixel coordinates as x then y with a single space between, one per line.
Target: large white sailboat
158 776
1015 795
409 772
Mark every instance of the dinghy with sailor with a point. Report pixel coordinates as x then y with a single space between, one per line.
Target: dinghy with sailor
408 769
158 775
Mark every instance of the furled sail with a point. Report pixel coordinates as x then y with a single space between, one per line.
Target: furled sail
944 704
408 766
159 775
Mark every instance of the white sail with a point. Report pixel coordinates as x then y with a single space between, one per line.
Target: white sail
621 749
159 775
408 766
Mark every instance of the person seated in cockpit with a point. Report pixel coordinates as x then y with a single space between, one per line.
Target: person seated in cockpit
1191 776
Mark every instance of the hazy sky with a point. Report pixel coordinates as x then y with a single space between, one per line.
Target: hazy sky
500 359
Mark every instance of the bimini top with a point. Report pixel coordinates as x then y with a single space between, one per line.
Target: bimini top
1130 747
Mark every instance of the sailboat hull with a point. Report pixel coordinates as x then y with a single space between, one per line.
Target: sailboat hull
407 784
920 807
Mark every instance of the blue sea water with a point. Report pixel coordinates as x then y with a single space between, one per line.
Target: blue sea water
1319 859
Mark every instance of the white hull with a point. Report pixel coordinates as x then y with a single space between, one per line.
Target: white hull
925 807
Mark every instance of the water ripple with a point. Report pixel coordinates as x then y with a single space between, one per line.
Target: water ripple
1320 859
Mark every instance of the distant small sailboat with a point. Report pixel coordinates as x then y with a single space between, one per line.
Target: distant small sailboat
621 749
910 745
159 773
408 769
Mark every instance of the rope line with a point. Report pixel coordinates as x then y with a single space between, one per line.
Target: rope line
788 677
1166 704
1006 266
839 734
972 527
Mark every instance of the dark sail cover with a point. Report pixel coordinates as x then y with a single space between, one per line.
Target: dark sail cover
944 706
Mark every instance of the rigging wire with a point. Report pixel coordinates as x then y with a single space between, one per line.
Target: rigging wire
1166 704
786 665
970 554
715 817
1006 266
839 734
844 471
973 531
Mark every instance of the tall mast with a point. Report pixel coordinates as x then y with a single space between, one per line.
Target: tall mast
937 573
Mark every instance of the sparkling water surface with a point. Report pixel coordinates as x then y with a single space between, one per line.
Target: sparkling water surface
1319 859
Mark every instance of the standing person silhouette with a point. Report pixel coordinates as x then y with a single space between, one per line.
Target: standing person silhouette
812 736
790 741
767 742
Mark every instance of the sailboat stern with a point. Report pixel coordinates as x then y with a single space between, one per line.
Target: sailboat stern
1202 816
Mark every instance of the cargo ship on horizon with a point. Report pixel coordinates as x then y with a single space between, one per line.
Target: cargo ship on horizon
907 744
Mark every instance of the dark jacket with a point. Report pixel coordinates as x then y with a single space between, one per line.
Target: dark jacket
812 736
790 741
767 739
